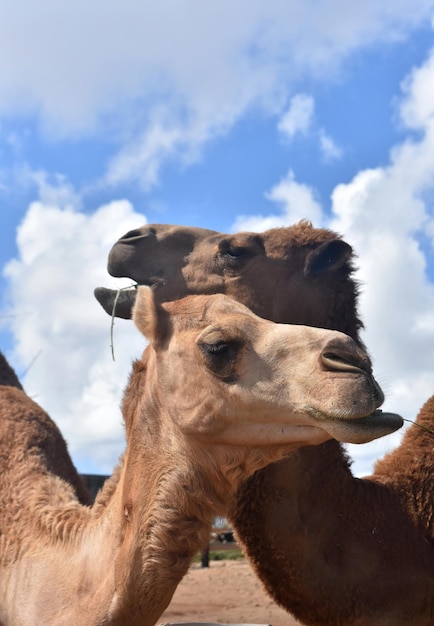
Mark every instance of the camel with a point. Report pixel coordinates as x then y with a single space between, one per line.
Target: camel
332 549
217 394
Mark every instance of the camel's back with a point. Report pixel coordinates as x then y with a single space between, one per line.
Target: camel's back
31 445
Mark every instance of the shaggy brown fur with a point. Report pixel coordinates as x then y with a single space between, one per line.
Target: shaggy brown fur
218 394
332 549
47 437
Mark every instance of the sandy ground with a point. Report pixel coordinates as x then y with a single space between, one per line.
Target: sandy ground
226 592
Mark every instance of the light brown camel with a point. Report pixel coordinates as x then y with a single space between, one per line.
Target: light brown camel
332 549
218 394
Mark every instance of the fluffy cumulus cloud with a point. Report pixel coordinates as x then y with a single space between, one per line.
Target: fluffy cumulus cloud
297 202
57 323
383 212
418 108
166 77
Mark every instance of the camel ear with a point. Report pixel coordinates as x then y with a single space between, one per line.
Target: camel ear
329 256
121 301
150 317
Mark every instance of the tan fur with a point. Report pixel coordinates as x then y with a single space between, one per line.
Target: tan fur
192 437
331 549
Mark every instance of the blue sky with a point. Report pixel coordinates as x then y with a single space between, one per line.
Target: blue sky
223 115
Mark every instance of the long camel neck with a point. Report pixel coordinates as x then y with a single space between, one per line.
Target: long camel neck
335 537
161 533
171 491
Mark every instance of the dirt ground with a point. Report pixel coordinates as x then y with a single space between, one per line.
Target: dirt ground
226 592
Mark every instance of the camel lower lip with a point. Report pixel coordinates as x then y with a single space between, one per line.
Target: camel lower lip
378 418
364 429
361 429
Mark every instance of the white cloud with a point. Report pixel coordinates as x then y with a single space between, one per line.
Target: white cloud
382 212
80 67
62 256
297 201
418 107
329 149
298 118
140 160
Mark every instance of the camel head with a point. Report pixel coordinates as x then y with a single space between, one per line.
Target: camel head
296 275
228 376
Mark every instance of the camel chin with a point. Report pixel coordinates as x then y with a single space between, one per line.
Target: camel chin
364 429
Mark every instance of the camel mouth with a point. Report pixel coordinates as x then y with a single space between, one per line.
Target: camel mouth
363 429
152 281
379 418
118 303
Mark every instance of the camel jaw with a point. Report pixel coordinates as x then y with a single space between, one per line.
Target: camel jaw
363 429
122 301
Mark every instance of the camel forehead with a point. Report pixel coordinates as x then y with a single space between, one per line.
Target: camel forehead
198 311
302 234
199 239
170 236
283 241
172 231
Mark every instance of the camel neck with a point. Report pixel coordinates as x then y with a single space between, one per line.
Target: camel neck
333 535
160 534
165 507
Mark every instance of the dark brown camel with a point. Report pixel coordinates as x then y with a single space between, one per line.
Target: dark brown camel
332 549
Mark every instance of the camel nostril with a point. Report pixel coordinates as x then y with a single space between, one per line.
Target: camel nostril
137 233
342 358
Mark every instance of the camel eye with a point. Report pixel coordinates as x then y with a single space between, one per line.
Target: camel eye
218 349
231 253
234 257
220 357
235 252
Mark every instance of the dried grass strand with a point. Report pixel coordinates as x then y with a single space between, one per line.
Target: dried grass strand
112 325
428 430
